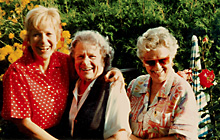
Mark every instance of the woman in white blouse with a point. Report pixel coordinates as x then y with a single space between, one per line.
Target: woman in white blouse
99 109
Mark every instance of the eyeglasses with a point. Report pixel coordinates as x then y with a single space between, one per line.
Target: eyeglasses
163 61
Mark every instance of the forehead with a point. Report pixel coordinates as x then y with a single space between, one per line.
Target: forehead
44 28
86 47
159 53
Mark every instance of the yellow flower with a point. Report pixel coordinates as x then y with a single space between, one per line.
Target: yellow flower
2 57
23 34
64 50
9 18
66 34
18 53
18 10
69 41
8 49
1 1
3 13
59 44
14 20
3 52
0 34
15 55
11 36
18 46
25 2
63 24
31 6
12 58
1 77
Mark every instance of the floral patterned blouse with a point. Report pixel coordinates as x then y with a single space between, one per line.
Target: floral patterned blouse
172 112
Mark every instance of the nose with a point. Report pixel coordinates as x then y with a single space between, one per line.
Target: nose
44 40
157 65
85 60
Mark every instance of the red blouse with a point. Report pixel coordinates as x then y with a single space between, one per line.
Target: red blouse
29 93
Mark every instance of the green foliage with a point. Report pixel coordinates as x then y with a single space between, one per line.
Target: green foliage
124 20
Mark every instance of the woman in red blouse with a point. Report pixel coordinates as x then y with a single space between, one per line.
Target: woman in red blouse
35 87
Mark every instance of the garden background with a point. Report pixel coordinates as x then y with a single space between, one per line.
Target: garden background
123 21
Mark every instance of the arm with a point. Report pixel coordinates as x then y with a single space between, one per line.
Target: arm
114 75
29 128
117 114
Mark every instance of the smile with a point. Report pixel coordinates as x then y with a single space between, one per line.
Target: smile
44 48
86 69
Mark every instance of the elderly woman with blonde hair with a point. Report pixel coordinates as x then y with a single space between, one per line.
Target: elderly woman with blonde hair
163 105
100 109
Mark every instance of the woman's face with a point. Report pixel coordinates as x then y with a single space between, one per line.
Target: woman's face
89 63
43 42
158 64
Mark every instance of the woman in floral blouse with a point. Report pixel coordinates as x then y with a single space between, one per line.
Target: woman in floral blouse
163 105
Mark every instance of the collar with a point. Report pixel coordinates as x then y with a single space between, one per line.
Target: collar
165 89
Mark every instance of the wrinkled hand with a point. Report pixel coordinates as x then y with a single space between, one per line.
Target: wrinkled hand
115 76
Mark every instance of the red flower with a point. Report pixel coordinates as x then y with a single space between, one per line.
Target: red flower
205 40
206 78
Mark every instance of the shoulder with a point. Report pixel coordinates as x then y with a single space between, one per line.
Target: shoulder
140 79
61 55
138 85
182 87
17 65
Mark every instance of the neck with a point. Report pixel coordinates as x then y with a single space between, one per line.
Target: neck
83 86
43 64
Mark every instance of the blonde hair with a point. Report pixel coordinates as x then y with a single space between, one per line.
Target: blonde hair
42 16
154 38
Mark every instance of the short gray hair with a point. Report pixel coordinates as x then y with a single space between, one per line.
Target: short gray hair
95 38
156 37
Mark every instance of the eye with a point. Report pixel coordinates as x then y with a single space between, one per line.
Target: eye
49 34
79 57
36 34
164 61
92 56
150 62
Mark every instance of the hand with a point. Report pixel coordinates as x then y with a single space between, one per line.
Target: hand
114 75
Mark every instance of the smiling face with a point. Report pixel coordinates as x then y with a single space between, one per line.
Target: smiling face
43 42
158 64
89 63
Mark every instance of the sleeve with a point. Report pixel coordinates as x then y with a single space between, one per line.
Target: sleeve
16 102
186 116
117 112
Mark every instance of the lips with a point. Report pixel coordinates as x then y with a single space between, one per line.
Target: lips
43 49
86 69
158 72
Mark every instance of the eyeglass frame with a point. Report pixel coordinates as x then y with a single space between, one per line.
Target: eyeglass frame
163 61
